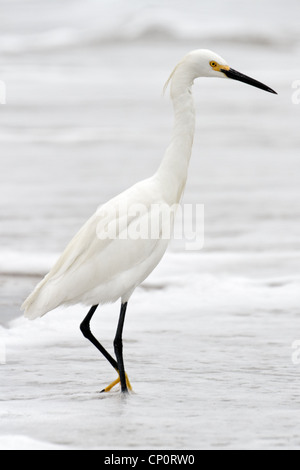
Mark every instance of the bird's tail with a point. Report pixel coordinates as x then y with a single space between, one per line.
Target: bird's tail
40 301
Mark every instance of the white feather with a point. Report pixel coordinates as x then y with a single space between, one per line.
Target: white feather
95 269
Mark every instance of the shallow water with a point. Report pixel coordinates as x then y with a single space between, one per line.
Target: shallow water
210 362
208 338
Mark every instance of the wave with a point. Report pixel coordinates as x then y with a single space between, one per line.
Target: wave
63 24
20 442
16 263
72 135
153 31
67 39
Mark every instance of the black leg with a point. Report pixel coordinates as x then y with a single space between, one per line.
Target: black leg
118 345
86 331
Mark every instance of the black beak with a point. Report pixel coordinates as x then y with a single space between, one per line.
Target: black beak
231 73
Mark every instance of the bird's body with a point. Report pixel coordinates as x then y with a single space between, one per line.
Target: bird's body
96 269
104 262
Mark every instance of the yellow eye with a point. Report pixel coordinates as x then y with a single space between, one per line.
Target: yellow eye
213 63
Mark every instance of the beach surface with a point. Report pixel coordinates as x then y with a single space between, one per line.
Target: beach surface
211 337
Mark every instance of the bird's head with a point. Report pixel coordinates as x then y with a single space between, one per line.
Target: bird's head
205 63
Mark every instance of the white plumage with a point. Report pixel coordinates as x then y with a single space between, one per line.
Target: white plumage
92 270
95 269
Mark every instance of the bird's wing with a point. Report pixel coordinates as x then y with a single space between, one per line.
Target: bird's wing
115 220
102 249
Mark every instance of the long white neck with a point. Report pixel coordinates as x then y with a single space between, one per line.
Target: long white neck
173 170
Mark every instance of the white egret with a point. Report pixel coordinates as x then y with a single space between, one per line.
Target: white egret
96 269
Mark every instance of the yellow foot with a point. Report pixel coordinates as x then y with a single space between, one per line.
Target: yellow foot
116 382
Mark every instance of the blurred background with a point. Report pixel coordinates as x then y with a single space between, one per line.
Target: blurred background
85 118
